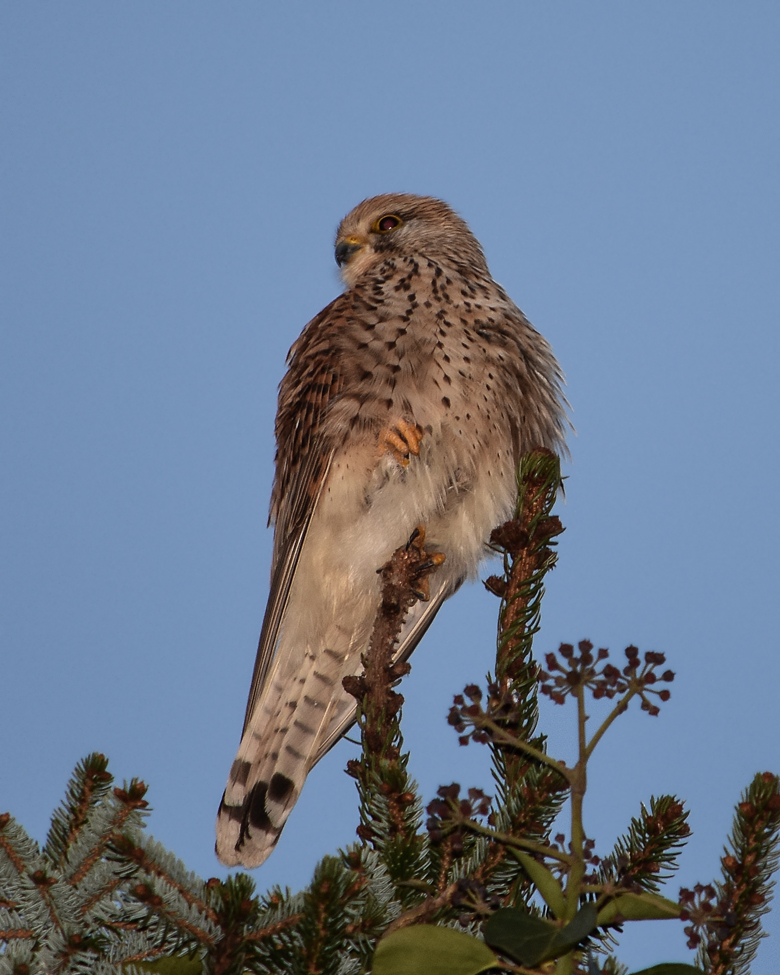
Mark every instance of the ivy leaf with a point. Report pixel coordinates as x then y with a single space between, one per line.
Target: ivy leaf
670 968
638 907
546 883
426 949
532 940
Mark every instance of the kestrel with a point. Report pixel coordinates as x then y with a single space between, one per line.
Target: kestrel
408 402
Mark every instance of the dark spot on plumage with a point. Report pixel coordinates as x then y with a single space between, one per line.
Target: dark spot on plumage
280 787
257 814
427 304
365 375
390 344
239 771
389 404
437 271
447 379
234 813
446 401
445 356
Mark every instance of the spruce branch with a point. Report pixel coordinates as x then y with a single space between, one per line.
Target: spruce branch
528 547
90 782
151 859
389 805
646 855
725 917
531 784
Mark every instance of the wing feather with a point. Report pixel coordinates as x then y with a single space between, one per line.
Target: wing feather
303 458
285 563
417 622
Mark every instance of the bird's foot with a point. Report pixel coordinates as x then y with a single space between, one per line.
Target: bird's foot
401 439
422 564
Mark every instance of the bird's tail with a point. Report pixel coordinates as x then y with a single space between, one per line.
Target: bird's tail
280 744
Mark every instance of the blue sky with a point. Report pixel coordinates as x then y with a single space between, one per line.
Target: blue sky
173 174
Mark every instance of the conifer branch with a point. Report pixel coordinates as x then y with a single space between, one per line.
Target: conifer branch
644 857
90 782
725 917
528 547
389 806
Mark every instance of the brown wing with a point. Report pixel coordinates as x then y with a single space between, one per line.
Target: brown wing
303 459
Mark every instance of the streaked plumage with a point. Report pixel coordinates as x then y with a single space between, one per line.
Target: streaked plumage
422 339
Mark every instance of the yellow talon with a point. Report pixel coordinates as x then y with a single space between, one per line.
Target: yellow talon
402 439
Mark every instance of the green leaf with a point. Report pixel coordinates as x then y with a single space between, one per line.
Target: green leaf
546 883
426 949
670 968
638 907
532 940
520 935
172 965
580 926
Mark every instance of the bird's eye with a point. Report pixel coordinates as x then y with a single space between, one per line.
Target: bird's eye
389 222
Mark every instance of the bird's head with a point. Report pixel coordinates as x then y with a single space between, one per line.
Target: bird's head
403 225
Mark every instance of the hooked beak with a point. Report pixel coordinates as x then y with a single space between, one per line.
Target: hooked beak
346 248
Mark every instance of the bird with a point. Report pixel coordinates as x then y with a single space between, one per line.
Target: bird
407 404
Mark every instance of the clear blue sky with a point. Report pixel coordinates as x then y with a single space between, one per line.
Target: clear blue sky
172 176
